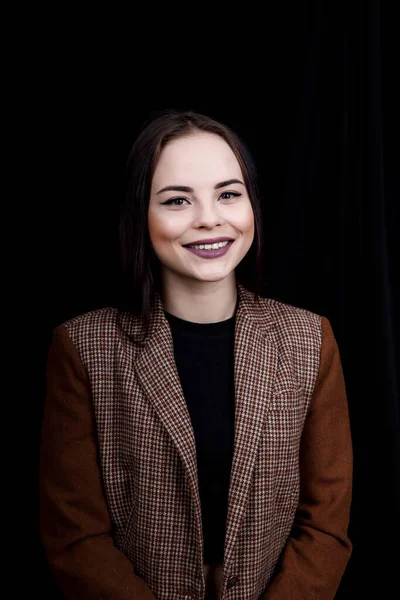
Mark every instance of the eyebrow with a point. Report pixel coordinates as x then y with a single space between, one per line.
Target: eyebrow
185 188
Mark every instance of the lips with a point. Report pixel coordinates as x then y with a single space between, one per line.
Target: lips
204 242
213 253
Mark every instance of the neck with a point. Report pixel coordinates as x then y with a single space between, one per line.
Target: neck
200 301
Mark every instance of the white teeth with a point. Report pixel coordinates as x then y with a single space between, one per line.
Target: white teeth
209 246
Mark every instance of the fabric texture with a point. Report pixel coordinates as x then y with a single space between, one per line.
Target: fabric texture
120 503
204 358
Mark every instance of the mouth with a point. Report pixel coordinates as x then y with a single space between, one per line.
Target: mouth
213 253
207 243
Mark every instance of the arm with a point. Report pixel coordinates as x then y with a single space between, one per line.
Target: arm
318 548
75 525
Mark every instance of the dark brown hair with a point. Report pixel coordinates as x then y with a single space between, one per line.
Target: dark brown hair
140 265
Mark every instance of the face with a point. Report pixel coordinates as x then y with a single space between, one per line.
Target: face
208 207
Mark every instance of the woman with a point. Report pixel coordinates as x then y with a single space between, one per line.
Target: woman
196 442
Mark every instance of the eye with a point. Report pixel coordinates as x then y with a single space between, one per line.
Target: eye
232 194
228 196
174 200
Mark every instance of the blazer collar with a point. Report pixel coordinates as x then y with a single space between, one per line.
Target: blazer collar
248 309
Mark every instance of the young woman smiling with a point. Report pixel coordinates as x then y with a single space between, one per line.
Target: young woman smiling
196 440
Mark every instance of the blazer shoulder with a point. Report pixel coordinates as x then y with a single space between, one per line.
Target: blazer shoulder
91 325
90 318
298 333
293 317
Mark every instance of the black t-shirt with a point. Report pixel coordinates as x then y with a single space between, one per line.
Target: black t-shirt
204 356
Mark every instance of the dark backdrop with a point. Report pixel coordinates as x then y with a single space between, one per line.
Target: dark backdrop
311 94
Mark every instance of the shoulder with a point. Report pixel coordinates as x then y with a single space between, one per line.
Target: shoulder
91 319
307 335
90 327
290 320
303 338
289 312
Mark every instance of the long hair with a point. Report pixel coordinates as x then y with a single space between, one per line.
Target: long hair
141 270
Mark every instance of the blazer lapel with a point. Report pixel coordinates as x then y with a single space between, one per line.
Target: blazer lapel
255 365
256 361
158 375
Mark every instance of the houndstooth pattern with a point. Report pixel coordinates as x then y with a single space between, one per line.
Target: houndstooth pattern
147 445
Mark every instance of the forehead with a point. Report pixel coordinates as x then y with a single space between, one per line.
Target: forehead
201 157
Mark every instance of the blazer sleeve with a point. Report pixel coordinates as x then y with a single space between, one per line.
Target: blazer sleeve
318 549
75 525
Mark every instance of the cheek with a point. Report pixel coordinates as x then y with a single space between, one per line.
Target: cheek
251 222
153 225
163 229
245 220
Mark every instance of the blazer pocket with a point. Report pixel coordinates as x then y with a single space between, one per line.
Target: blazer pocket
290 399
283 424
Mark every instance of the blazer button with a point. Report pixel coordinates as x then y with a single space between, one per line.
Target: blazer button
233 580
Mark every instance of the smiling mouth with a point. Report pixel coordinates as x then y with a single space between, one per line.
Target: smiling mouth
212 252
226 242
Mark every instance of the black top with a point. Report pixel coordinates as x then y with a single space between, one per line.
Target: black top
204 359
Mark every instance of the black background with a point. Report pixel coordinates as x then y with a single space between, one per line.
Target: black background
310 89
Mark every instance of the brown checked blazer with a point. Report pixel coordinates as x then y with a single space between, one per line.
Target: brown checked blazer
120 506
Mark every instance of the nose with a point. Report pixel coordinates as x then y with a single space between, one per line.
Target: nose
208 216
